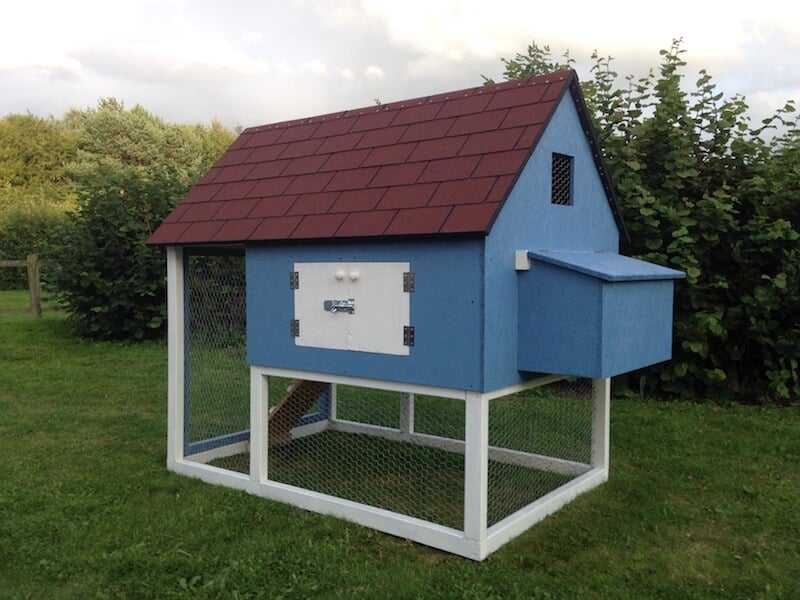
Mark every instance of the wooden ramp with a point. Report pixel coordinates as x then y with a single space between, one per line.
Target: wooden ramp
288 412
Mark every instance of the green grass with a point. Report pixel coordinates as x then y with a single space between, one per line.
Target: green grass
702 503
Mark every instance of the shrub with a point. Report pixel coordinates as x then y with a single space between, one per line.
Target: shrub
28 219
112 285
704 191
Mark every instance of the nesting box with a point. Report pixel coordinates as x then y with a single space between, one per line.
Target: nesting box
406 315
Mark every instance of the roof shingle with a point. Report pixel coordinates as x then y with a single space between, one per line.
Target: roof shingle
435 165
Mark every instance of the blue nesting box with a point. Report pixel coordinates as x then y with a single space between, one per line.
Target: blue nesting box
593 314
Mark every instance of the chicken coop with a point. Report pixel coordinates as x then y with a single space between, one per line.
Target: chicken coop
408 315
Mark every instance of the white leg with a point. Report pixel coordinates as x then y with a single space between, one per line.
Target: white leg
601 424
175 355
476 467
406 412
259 424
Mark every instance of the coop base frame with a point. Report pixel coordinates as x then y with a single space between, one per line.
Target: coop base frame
476 540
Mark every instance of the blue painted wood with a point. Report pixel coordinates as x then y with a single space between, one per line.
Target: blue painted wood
529 221
474 324
607 266
323 411
446 312
216 442
578 320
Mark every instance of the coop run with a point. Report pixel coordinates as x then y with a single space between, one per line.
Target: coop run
407 315
461 471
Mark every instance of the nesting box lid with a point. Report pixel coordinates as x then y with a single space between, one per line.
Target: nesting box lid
607 266
436 165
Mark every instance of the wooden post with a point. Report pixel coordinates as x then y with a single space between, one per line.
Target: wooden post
476 468
601 395
175 355
34 285
406 412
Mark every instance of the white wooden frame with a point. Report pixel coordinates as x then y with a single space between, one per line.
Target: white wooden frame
475 541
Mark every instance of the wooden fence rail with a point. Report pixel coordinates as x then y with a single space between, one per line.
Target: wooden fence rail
34 282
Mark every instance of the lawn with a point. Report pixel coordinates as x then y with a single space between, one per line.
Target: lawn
702 503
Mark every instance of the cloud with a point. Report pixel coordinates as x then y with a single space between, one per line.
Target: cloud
268 61
374 72
252 37
316 66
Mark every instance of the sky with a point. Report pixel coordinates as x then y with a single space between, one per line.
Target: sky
252 62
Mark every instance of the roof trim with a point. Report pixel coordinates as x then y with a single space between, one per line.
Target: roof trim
597 154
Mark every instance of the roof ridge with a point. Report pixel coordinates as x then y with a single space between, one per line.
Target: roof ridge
542 78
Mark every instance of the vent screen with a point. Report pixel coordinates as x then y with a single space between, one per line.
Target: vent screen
561 190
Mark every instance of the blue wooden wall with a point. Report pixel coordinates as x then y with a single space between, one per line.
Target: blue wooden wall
446 312
530 222
465 307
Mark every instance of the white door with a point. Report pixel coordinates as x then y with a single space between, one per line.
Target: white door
358 306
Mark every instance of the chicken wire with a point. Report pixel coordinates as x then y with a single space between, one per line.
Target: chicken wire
539 440
369 454
406 454
217 377
387 449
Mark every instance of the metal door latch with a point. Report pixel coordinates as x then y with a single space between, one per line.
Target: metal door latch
334 306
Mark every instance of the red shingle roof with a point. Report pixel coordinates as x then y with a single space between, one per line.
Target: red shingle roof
442 164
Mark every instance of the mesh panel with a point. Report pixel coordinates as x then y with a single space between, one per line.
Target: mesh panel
539 440
217 410
365 455
561 191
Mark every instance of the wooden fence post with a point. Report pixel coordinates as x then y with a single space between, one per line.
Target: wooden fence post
34 285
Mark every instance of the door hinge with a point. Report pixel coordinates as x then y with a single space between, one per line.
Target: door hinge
408 281
294 280
408 335
294 327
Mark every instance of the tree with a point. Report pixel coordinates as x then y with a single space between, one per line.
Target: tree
131 169
35 190
34 151
705 192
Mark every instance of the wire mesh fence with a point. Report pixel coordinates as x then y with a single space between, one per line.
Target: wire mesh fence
539 440
216 408
369 453
386 449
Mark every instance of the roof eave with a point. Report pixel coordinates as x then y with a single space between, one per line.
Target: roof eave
597 155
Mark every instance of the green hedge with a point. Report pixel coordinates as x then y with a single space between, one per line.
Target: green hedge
705 191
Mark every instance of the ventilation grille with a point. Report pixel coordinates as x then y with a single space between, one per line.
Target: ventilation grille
562 180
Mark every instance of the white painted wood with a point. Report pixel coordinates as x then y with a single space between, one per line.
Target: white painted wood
521 387
403 526
417 530
522 520
378 384
537 461
476 468
522 262
221 452
334 403
406 412
503 455
214 475
395 435
175 355
310 429
420 390
382 308
601 422
259 425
